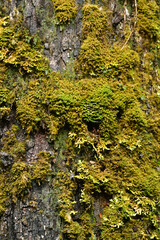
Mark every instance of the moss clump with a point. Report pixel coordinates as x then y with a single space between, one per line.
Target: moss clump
122 208
94 21
91 59
42 168
4 189
15 183
28 113
148 18
17 176
18 49
12 145
65 10
21 180
116 148
97 56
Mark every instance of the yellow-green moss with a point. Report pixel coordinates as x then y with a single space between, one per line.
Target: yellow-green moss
94 21
111 114
65 10
13 146
42 168
97 56
18 49
21 180
4 189
16 178
28 113
91 58
148 19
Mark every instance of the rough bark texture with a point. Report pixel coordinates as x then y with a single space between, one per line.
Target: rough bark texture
61 45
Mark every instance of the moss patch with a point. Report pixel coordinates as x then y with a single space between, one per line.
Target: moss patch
65 10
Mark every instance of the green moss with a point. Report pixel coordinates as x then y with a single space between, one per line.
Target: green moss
28 113
15 183
122 208
94 21
65 10
12 145
105 127
97 56
90 60
18 49
4 188
42 168
148 22
4 111
16 180
21 180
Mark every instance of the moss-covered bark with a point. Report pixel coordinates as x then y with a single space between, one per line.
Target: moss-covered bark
105 171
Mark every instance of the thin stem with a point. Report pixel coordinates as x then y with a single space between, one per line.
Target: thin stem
135 22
